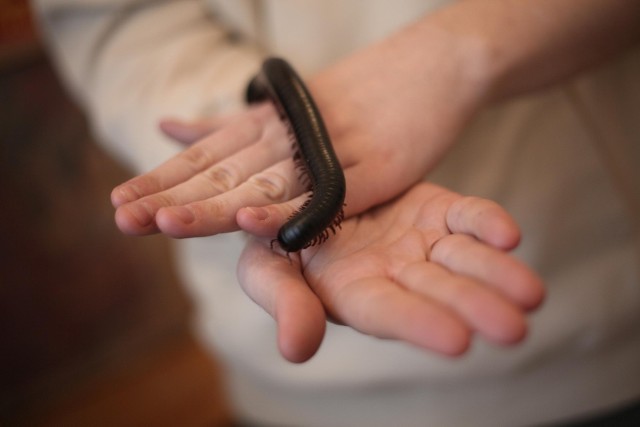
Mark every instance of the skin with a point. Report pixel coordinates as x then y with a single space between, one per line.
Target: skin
422 85
430 268
471 54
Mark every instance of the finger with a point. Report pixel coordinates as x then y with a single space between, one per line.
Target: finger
186 132
465 255
380 308
277 285
276 184
186 164
265 221
485 220
240 133
484 310
139 217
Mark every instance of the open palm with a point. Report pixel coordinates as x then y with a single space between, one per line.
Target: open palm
429 268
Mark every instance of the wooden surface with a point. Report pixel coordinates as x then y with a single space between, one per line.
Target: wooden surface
94 325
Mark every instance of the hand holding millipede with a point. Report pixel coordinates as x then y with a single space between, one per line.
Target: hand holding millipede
413 270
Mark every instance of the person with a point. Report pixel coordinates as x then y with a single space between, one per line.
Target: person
497 99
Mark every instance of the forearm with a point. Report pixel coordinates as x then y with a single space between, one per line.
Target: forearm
521 45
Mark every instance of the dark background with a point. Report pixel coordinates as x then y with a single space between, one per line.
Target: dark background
94 325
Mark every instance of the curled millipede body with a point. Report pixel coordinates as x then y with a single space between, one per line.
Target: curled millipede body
322 212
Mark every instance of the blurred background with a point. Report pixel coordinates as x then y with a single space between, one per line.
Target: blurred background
95 326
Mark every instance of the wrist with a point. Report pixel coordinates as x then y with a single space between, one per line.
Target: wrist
456 62
475 64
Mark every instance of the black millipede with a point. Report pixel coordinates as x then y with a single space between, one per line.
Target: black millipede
278 82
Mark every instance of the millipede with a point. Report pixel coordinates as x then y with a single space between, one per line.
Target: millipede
323 212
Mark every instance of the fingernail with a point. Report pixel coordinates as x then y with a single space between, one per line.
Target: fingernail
259 213
184 214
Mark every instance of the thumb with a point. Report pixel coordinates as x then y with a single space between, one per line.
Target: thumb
276 284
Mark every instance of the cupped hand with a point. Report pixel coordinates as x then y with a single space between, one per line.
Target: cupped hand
391 110
430 268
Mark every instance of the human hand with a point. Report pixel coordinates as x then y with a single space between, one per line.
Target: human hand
244 160
430 268
382 115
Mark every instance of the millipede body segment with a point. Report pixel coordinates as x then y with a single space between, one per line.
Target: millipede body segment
322 212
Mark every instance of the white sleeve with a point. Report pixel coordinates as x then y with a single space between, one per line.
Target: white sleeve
131 62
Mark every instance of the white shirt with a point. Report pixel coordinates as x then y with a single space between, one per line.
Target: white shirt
563 161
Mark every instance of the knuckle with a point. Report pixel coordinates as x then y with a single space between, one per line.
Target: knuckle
196 158
270 184
221 178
